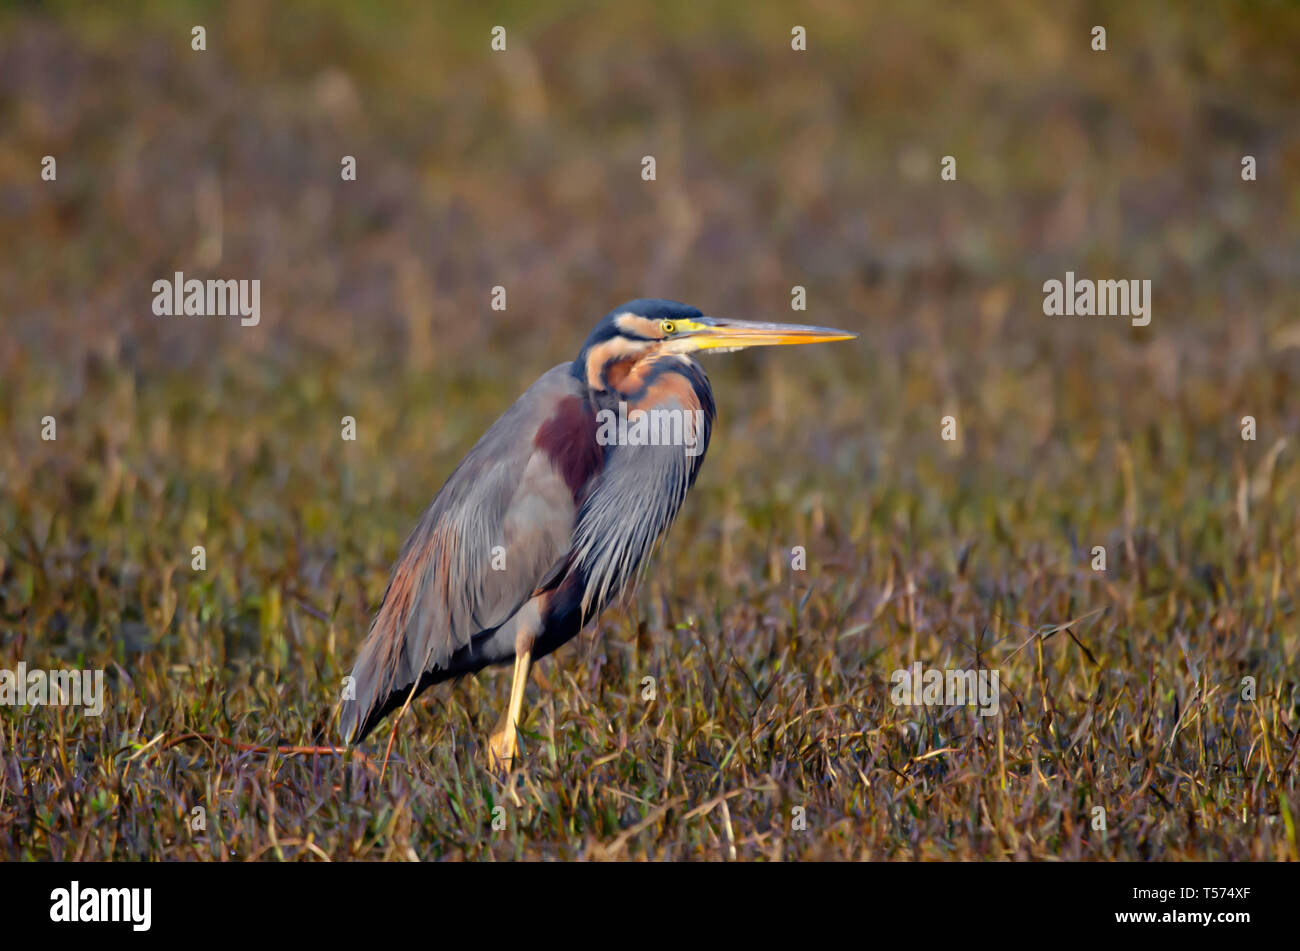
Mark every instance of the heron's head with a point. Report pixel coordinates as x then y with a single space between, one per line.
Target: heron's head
650 327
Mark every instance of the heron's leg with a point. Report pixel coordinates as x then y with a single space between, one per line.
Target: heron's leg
504 742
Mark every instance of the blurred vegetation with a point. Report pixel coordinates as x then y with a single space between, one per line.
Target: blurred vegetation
775 168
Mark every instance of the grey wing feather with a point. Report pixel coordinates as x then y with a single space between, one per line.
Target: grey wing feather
632 504
444 588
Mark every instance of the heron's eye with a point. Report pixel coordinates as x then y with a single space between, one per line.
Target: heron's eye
667 327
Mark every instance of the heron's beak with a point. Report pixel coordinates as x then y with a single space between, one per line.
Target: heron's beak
715 333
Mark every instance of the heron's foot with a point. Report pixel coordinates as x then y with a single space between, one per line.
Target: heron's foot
503 748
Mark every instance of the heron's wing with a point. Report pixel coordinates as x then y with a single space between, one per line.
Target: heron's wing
640 489
497 529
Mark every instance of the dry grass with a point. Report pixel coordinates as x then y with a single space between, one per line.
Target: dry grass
772 686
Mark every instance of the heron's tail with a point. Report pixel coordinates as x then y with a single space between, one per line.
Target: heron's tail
355 720
380 680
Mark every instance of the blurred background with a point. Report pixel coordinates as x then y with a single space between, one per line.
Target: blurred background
522 168
774 168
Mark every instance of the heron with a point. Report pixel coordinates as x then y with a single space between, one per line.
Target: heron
553 513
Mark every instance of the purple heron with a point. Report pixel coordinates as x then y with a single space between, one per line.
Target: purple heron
553 511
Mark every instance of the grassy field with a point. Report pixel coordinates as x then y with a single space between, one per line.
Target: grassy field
771 733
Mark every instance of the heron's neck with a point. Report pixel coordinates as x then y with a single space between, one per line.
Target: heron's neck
614 365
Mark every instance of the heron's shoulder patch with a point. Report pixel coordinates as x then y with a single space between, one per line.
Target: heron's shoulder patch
568 437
